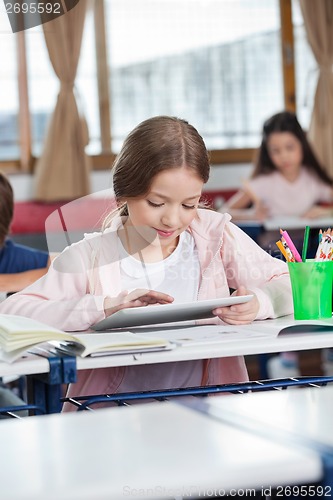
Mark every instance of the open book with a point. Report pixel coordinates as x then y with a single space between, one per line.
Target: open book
19 334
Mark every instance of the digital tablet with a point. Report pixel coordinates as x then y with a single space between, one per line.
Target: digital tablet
167 313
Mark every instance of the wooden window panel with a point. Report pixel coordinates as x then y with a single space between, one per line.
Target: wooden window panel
24 113
102 76
287 46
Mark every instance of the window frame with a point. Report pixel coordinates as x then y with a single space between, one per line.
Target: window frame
104 160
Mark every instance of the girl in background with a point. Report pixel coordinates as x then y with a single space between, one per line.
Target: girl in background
287 177
287 180
158 247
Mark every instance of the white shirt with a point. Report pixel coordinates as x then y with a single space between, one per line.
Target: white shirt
183 267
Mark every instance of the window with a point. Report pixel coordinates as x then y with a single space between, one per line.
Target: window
44 85
306 69
9 100
87 95
198 59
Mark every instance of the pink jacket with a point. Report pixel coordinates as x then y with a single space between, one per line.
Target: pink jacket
71 295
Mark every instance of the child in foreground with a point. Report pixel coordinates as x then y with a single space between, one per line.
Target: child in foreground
158 247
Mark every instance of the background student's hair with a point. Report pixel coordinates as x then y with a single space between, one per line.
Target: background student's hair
157 144
6 207
287 122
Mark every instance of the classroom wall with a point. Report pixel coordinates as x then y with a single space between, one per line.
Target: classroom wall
222 177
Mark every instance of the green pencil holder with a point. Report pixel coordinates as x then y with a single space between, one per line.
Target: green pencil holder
311 283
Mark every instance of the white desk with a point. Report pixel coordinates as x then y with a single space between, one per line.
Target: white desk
290 222
27 365
296 416
295 413
254 342
287 222
155 451
232 345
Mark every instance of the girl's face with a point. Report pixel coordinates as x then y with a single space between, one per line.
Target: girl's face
167 209
286 152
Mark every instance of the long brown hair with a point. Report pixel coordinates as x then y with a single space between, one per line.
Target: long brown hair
6 207
156 144
287 122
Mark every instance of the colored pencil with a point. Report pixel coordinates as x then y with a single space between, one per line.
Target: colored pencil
291 245
282 249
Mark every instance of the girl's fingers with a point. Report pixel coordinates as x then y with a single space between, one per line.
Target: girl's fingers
150 296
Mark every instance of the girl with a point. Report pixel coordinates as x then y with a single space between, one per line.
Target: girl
287 180
163 247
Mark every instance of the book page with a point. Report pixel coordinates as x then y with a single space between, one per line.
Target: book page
88 343
210 334
287 323
11 325
18 334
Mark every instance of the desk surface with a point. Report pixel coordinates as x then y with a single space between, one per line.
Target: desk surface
259 339
286 222
289 222
147 451
302 413
27 365
255 341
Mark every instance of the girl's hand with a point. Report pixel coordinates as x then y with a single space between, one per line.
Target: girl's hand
137 298
260 211
239 314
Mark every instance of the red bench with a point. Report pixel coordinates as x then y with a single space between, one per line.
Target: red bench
33 219
30 216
